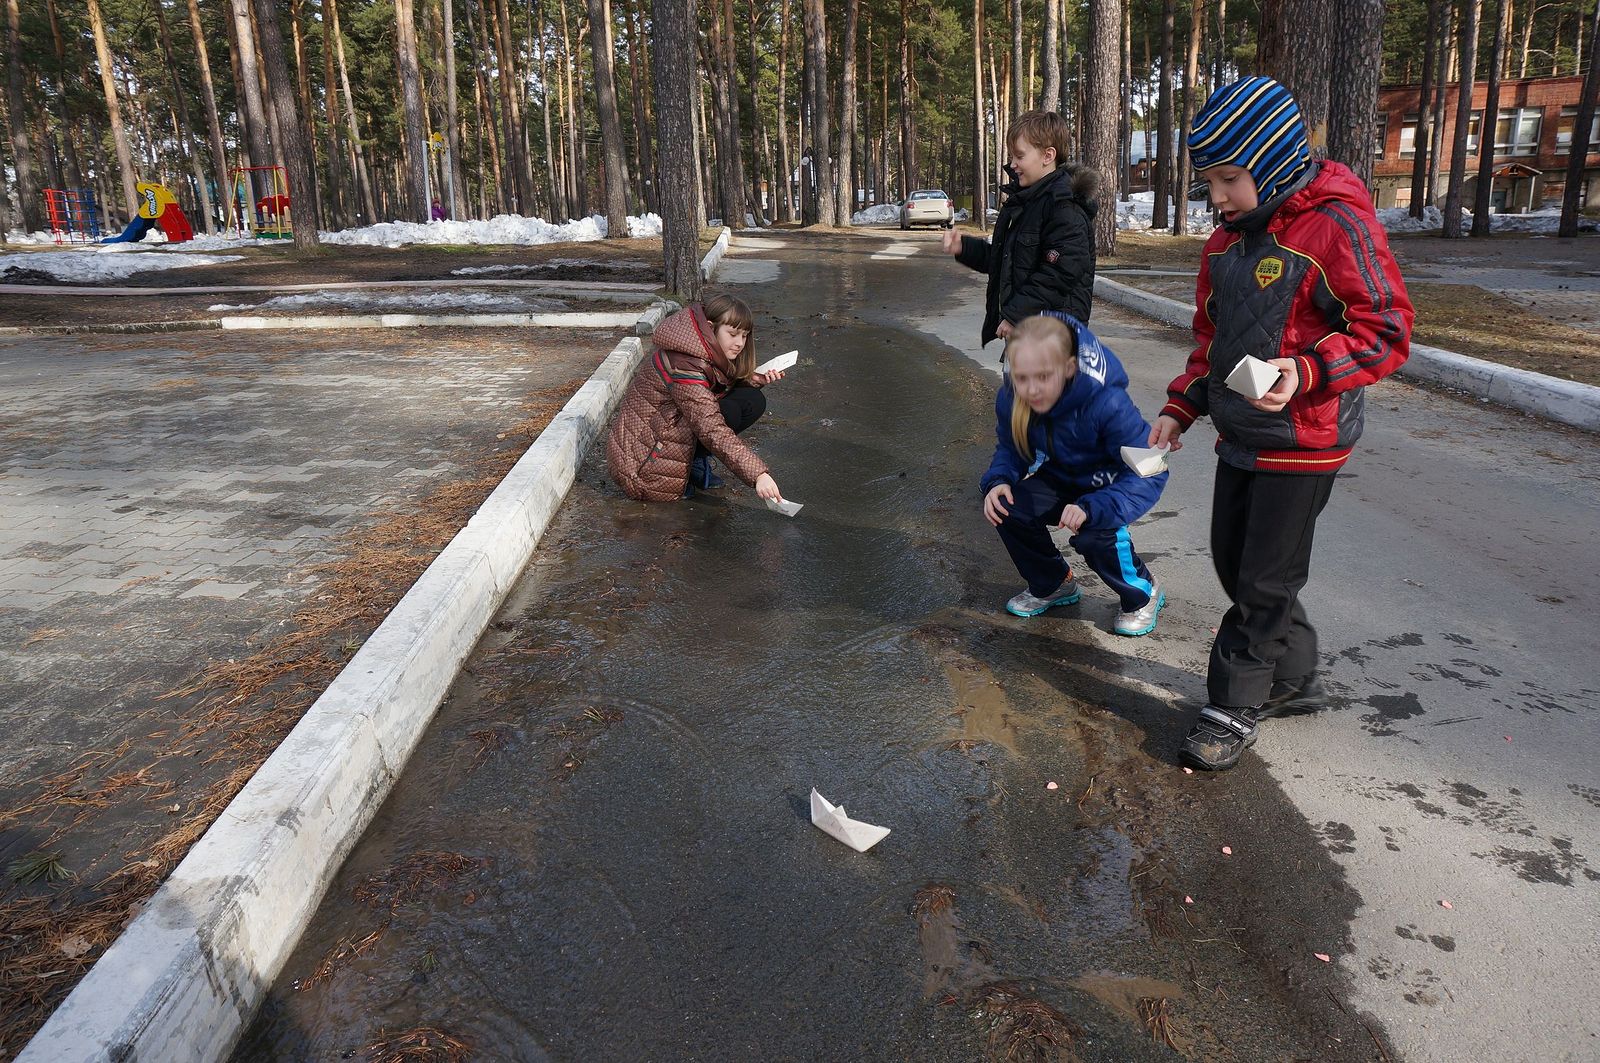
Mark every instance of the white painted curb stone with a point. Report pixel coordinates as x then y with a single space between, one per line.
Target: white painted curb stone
185 978
619 319
1566 401
708 265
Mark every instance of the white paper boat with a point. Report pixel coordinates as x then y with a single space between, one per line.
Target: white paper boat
833 821
784 506
1146 461
1252 377
783 361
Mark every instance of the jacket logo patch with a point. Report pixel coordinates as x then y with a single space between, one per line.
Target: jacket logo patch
1052 256
1268 270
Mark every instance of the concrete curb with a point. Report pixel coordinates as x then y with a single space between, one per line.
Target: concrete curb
605 289
184 979
1566 401
620 319
203 324
708 265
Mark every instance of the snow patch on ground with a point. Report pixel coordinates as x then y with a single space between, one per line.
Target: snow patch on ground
1135 212
877 215
98 264
501 229
480 302
552 264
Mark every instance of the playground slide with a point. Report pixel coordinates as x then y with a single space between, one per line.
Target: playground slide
133 233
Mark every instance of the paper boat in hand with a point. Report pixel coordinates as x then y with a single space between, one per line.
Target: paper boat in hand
783 361
784 506
1252 377
1146 461
832 820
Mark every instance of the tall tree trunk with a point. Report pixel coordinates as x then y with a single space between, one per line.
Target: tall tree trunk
908 134
1050 98
816 39
725 92
255 117
506 76
673 35
1578 154
980 162
1100 113
1018 95
1353 86
181 115
1422 135
1160 219
29 194
69 133
762 167
298 160
1491 106
303 90
1125 111
452 118
605 90
1191 64
488 119
340 182
1441 81
1295 47
847 115
358 157
641 104
108 84
414 138
1470 10
786 163
1220 77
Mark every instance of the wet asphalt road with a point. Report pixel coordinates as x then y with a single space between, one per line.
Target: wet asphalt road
622 771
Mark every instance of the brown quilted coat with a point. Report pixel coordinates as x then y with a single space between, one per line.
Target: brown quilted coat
671 403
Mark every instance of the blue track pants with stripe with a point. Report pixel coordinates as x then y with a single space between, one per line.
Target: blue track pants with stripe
1036 508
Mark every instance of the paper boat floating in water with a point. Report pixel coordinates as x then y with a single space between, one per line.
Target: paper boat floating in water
1252 377
783 361
833 821
1146 461
784 506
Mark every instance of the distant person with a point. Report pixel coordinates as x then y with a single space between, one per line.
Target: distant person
1300 276
1042 254
688 402
437 213
1063 416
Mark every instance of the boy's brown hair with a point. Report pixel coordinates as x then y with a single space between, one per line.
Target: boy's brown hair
1042 129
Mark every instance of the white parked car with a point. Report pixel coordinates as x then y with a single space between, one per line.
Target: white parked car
927 206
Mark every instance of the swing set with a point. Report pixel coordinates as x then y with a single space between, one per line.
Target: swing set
266 217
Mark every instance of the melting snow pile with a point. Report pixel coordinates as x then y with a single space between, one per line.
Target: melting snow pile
92 265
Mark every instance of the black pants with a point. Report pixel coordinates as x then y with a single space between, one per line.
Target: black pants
1035 508
742 407
1262 524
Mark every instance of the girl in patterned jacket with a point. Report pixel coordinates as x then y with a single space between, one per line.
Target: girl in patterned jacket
1300 276
690 400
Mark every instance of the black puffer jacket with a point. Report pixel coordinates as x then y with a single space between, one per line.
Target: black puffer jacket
1042 254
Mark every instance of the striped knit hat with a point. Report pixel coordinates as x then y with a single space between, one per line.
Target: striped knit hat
1254 124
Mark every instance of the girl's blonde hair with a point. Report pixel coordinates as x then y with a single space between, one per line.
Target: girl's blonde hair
1055 337
728 310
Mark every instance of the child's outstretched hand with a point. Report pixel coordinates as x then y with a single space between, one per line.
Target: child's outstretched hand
992 508
951 240
767 488
1165 433
761 380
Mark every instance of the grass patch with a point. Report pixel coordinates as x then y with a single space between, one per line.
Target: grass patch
38 867
1468 320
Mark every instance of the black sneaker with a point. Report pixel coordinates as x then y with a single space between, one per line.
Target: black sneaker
1219 737
1295 697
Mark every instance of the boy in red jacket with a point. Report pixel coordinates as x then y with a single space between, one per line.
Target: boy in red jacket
1300 276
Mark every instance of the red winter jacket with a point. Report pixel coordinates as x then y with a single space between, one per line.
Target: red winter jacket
1311 280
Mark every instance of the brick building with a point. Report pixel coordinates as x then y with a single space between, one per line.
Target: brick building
1532 138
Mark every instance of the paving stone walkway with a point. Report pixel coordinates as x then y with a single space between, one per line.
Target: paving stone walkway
162 498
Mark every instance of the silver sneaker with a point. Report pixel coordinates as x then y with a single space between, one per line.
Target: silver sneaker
1025 604
1142 620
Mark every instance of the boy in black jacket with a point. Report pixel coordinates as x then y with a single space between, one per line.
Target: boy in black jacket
1042 254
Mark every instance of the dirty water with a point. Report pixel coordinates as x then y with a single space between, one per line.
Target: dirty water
603 846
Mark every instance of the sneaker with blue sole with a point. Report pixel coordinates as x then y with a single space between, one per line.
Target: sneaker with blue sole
1028 604
1142 621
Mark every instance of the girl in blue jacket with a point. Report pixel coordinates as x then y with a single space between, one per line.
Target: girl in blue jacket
1063 417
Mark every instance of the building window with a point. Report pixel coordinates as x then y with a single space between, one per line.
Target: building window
1474 124
1564 126
1517 131
1381 135
1408 136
